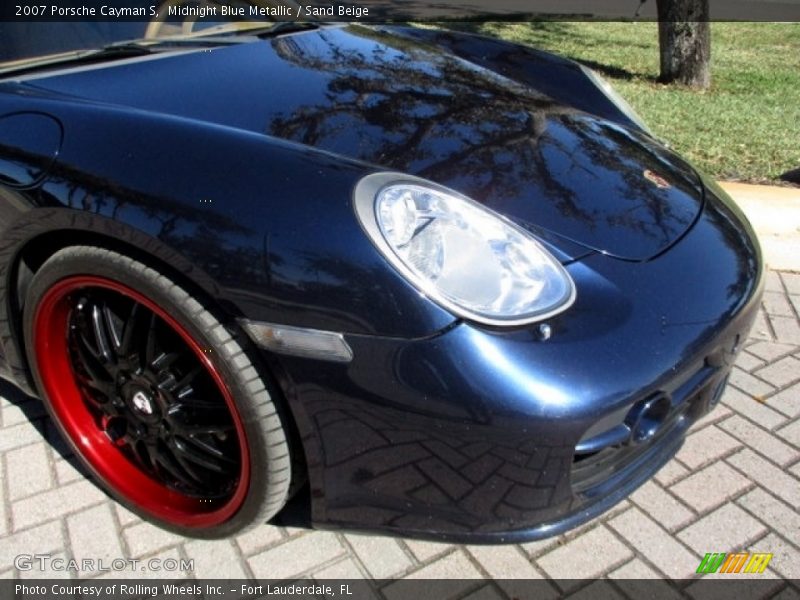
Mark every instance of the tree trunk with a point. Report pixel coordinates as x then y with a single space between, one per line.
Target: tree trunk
684 38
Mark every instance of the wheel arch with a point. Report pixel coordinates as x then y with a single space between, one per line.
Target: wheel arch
32 254
35 251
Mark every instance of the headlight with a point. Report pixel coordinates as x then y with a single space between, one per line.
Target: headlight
460 254
618 101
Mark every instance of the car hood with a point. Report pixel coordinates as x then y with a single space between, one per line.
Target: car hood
581 182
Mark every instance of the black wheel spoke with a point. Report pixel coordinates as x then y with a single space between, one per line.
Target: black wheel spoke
138 338
111 329
202 417
106 389
164 360
129 333
209 448
214 410
115 428
92 365
220 431
152 395
186 381
102 336
198 455
166 461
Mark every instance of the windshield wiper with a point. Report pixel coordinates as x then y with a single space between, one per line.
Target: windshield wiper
79 57
278 28
235 32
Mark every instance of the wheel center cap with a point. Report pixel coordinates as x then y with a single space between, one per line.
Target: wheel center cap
142 403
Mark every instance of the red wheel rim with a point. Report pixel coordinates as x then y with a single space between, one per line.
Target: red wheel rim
119 460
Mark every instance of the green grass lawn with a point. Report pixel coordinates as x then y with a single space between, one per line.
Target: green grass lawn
747 126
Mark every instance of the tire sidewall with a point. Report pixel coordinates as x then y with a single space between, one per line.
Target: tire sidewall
173 300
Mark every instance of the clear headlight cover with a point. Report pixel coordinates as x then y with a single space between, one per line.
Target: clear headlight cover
460 254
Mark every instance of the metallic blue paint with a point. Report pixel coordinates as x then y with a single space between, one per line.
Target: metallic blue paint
553 168
471 433
234 170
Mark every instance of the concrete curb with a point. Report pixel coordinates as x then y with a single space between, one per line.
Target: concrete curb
775 215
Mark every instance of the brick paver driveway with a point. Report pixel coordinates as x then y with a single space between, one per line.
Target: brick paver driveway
735 485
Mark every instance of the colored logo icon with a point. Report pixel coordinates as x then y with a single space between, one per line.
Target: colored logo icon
734 562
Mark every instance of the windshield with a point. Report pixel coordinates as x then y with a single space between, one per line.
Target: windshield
24 43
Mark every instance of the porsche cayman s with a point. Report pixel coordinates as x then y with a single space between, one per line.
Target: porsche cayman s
453 285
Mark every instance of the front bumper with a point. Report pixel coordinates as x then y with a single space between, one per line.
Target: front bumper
480 435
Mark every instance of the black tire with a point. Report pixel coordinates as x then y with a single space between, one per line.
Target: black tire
260 481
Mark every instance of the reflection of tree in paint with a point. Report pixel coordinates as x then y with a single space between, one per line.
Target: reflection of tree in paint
440 117
191 230
424 113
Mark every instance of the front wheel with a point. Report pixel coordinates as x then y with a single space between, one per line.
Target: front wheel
154 395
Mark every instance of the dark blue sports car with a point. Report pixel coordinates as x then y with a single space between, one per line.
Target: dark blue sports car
452 284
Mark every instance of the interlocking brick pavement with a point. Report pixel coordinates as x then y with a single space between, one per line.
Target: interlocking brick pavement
735 485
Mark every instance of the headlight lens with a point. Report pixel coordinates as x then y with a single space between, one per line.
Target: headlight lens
460 254
604 86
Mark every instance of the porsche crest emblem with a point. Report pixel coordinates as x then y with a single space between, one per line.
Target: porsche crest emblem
657 179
